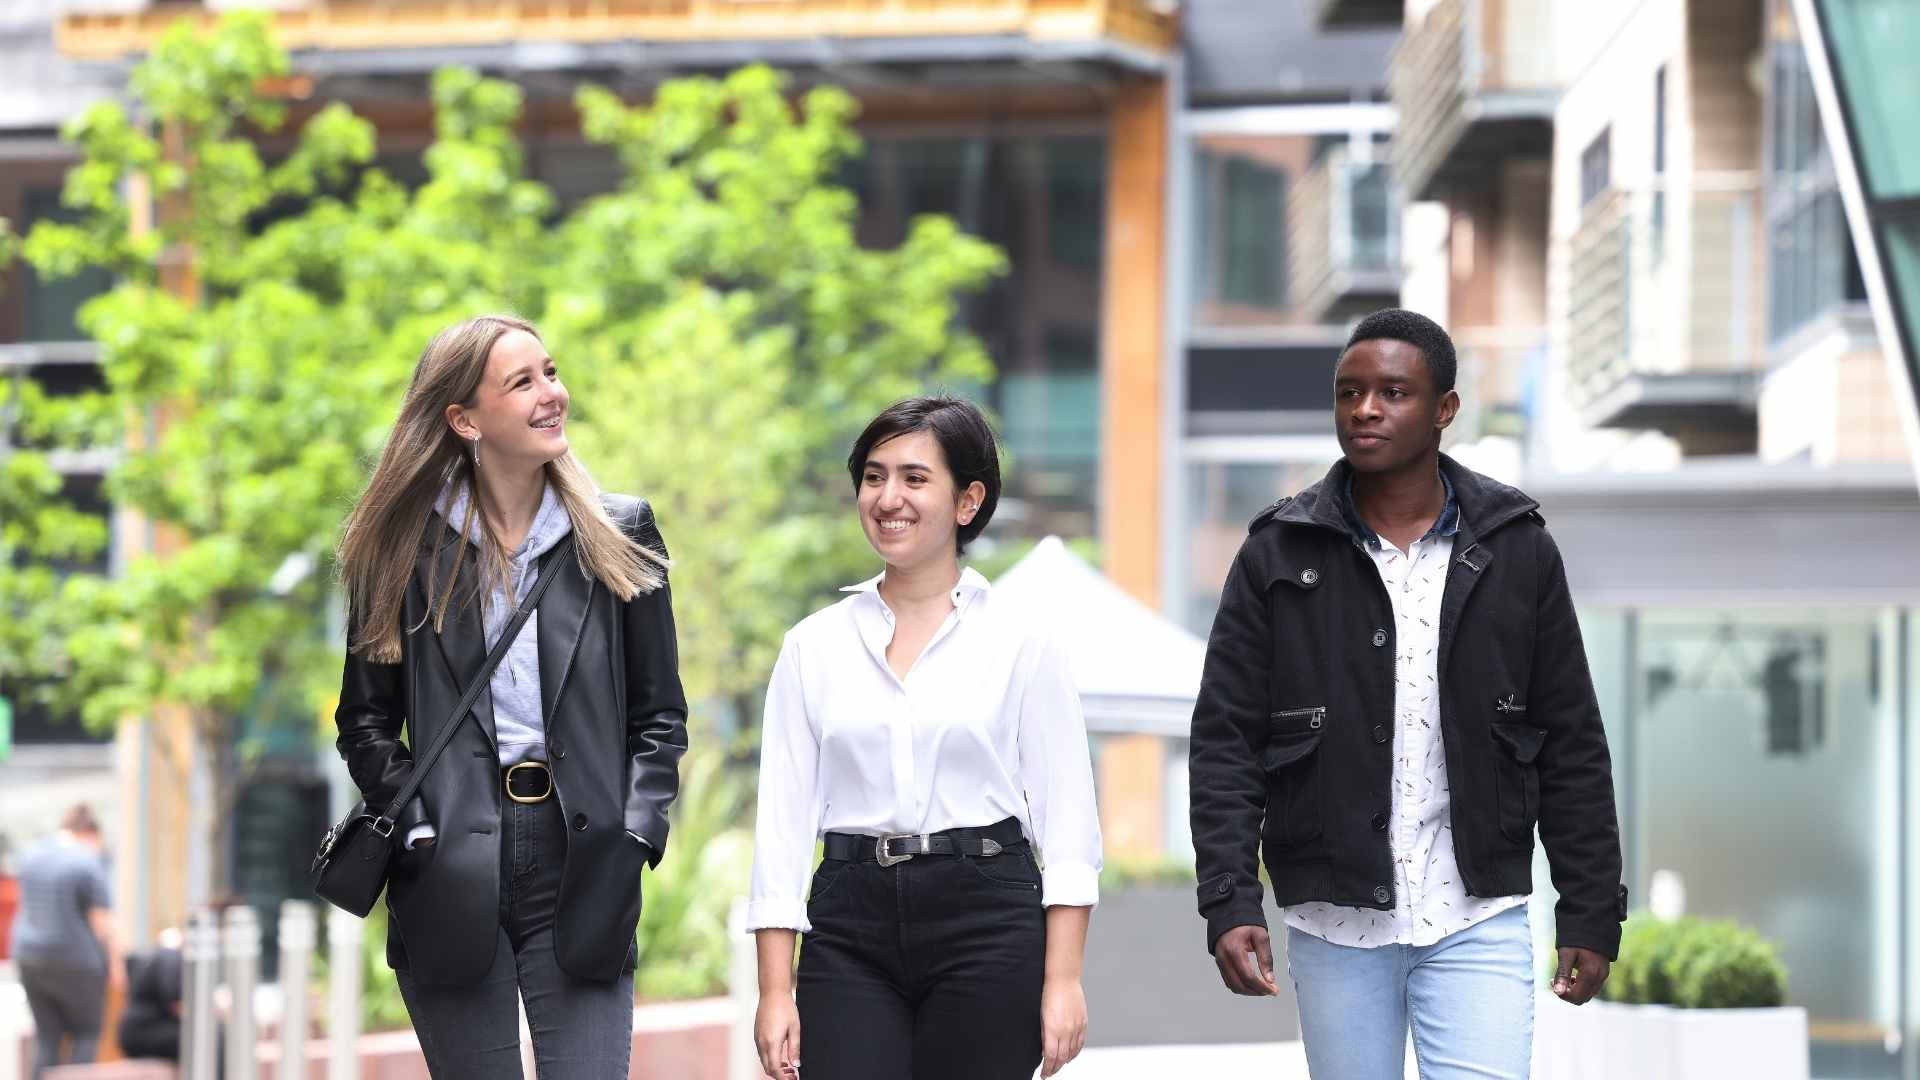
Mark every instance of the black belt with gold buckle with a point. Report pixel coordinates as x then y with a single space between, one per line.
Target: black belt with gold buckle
528 782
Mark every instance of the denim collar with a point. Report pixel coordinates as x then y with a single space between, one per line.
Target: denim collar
1447 524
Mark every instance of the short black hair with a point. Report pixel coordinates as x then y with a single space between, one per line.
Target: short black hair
1399 324
965 438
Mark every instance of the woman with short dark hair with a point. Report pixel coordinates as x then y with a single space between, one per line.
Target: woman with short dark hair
933 738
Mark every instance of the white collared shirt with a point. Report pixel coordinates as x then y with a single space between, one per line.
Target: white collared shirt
985 726
1430 900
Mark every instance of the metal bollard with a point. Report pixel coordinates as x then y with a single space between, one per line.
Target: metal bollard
240 942
343 995
297 938
743 986
200 952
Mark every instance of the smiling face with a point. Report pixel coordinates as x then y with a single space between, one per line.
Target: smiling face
1386 410
517 415
910 507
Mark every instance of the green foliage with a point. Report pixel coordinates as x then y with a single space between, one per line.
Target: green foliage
682 938
727 338
381 1006
723 333
1695 964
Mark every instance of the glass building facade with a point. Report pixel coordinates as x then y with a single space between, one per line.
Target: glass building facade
1038 194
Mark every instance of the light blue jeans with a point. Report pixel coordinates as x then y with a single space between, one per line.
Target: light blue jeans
1468 998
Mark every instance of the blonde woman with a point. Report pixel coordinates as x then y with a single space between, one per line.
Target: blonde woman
519 869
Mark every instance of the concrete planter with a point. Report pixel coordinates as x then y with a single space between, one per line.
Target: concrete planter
1605 1041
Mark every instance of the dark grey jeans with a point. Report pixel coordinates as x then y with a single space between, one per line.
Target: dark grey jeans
581 1030
67 1003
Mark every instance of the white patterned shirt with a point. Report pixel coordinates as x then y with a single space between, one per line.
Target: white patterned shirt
1430 899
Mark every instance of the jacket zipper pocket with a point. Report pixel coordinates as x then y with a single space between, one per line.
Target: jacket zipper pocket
1506 704
1316 716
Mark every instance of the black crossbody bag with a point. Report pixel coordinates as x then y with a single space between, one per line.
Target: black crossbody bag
350 869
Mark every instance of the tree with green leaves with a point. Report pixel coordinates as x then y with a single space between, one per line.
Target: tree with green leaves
721 329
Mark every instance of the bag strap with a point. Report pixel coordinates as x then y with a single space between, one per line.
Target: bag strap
555 565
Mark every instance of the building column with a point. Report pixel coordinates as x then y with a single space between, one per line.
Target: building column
1133 338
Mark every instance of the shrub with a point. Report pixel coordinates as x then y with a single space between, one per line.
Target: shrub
1695 964
1730 968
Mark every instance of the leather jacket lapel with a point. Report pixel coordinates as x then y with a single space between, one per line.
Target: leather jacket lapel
561 619
463 643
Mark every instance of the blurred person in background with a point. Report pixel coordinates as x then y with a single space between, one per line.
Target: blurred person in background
64 944
1395 692
933 737
156 986
519 874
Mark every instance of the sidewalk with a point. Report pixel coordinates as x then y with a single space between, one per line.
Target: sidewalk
1268 1061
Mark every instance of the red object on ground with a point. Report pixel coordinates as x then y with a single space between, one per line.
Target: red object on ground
9 903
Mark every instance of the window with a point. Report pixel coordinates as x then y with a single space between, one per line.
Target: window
1253 235
1239 227
1596 167
1038 197
51 309
1871 44
1812 267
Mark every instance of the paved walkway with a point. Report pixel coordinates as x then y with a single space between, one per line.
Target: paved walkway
1268 1061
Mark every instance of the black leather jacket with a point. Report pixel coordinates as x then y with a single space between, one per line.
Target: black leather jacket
1292 732
616 728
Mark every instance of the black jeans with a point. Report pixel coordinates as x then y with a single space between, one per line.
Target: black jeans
926 970
581 1030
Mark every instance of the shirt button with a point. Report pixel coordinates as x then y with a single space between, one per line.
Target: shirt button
1380 733
1379 823
1382 894
1379 639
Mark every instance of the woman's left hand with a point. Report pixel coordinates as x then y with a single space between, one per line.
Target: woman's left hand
1063 1023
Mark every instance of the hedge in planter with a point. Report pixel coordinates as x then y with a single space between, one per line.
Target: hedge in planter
1696 964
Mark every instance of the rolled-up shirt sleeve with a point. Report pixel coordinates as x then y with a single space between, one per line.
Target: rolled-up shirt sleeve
788 817
1056 773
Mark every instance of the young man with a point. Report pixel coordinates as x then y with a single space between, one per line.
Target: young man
1395 694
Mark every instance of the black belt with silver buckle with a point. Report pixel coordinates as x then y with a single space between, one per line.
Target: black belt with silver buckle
528 782
897 848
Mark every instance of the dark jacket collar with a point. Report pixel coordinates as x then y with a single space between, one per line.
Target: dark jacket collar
1484 504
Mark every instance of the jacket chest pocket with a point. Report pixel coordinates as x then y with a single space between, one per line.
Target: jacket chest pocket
1517 744
1292 761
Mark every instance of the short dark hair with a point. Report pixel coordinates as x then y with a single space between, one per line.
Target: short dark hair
965 438
1399 324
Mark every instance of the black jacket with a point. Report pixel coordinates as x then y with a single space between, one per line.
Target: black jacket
615 726
1292 733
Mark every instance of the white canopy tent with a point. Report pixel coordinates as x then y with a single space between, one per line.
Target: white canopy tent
1137 671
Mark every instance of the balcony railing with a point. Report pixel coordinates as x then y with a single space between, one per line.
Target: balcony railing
1665 327
1132 33
1467 100
1343 237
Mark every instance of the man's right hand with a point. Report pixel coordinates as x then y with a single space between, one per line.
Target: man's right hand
1244 955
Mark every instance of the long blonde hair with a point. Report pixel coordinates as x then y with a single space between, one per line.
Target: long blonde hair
381 541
